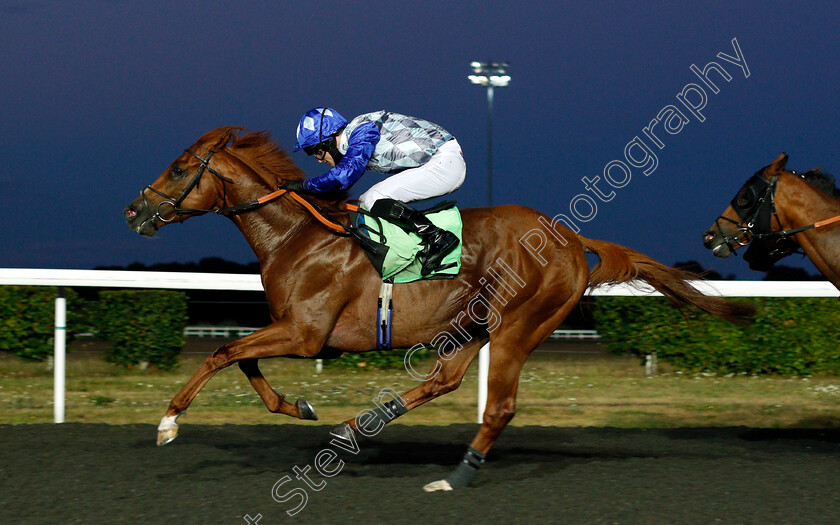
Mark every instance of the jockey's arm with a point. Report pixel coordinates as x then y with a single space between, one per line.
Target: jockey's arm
360 147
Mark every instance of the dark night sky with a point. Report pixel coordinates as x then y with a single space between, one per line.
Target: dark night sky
100 96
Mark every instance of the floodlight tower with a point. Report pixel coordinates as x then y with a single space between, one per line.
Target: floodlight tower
490 75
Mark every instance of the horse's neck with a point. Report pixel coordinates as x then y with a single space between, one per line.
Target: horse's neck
268 227
272 227
279 231
799 204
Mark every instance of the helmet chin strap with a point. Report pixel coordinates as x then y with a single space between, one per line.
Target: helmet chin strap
332 142
332 149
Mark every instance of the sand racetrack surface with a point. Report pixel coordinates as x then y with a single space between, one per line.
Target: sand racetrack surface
90 473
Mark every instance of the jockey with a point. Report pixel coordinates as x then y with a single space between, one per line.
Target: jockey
422 159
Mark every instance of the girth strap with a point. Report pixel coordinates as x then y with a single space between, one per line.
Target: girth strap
384 316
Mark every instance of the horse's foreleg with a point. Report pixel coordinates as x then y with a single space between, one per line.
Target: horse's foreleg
276 403
274 340
168 428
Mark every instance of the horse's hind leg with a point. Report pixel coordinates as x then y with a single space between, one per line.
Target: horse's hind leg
502 385
510 346
445 376
274 402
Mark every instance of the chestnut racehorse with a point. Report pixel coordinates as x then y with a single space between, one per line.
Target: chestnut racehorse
777 212
521 275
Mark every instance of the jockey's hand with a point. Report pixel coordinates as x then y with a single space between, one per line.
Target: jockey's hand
294 185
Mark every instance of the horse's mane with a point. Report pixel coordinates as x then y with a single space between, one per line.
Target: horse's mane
823 180
260 151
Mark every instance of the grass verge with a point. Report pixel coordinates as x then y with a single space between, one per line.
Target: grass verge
555 389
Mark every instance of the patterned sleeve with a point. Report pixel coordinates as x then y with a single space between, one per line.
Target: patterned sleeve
360 147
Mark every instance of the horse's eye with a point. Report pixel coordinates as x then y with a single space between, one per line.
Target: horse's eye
177 172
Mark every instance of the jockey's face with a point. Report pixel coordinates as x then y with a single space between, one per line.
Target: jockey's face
324 156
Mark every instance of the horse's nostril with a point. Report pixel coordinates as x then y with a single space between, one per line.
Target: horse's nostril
130 213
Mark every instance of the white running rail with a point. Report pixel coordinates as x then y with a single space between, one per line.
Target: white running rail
252 282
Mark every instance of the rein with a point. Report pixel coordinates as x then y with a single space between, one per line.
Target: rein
818 224
323 217
178 213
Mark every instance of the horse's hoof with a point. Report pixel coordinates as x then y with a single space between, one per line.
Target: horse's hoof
167 430
166 436
306 410
344 431
435 486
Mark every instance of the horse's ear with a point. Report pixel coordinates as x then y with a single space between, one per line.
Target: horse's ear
779 164
225 137
218 138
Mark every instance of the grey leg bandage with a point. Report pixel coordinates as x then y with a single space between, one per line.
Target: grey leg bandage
467 469
385 413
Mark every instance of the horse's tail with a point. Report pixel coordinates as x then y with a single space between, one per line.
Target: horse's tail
620 264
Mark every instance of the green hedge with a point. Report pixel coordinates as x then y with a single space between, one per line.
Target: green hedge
790 336
377 359
27 320
145 327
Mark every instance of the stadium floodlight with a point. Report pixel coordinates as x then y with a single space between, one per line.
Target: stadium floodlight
490 74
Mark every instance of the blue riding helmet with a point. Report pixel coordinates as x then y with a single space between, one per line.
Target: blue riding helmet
316 126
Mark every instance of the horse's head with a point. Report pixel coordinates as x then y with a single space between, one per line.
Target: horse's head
747 221
190 185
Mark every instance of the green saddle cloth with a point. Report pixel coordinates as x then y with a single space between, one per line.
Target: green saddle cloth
393 251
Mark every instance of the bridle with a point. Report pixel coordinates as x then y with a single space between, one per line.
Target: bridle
178 212
755 205
756 213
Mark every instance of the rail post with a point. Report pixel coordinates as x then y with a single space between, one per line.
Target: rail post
60 352
483 377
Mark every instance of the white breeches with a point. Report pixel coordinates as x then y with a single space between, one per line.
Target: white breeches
444 173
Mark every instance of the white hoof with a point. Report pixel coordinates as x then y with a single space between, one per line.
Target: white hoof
435 486
167 430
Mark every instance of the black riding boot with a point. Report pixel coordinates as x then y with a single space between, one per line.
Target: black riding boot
437 243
